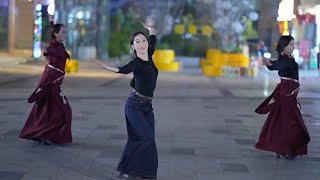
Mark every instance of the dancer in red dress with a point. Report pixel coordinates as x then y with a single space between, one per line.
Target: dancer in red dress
284 131
50 118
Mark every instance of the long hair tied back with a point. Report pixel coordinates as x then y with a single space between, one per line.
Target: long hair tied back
283 42
55 28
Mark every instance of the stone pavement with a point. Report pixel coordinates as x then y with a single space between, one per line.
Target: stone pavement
205 128
14 58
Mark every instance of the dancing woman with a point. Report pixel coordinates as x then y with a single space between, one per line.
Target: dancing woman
284 131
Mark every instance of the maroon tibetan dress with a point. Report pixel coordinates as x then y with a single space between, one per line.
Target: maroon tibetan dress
284 131
51 116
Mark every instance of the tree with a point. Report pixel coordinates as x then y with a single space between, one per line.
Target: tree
226 15
267 26
118 20
250 32
122 26
164 12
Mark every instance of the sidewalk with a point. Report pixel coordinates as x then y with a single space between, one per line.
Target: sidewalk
8 60
204 131
205 128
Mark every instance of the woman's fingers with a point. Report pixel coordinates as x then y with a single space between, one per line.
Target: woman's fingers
148 23
98 63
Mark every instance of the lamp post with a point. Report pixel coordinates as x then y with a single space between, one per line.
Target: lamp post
285 15
103 21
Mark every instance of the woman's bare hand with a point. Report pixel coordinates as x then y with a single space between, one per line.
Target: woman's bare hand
267 62
149 23
100 64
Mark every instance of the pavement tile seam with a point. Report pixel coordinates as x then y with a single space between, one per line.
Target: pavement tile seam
233 140
124 97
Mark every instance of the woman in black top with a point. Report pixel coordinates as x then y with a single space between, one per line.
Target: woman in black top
284 131
140 158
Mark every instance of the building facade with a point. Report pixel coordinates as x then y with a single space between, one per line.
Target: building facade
4 28
306 31
24 26
87 22
17 25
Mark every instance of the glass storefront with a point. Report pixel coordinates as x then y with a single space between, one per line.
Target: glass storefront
88 26
4 17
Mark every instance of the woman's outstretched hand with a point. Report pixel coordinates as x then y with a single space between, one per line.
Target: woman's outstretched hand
267 62
149 23
100 64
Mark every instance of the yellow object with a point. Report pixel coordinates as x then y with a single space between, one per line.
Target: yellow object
179 29
285 28
215 60
216 71
81 22
215 57
236 60
83 31
164 55
207 30
71 65
218 60
204 62
164 60
252 72
173 66
210 70
192 29
212 53
206 70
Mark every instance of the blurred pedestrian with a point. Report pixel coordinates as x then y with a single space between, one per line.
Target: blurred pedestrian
50 118
140 157
284 131
263 48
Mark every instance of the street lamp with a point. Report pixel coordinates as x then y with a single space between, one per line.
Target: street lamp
285 14
51 9
37 33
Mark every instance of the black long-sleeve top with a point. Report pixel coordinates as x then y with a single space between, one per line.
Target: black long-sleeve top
145 72
286 66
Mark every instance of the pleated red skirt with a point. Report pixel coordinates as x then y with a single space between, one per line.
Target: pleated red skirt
51 116
284 131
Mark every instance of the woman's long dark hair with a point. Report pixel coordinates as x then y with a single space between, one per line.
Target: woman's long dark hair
133 80
283 42
55 28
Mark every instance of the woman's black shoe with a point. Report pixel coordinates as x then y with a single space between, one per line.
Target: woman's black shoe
45 142
290 157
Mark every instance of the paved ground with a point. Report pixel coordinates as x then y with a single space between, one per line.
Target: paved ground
205 128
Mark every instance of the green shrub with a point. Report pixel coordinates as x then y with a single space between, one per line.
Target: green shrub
119 43
237 50
163 46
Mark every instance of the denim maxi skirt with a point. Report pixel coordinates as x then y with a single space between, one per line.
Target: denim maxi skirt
140 157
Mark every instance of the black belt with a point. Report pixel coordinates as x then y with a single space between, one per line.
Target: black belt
142 96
